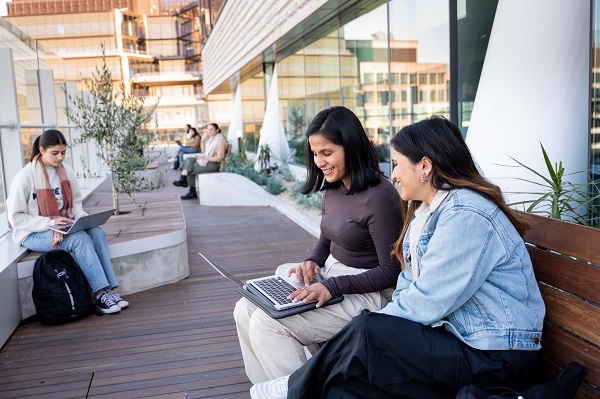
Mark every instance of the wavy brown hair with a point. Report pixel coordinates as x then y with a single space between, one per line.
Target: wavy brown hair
453 167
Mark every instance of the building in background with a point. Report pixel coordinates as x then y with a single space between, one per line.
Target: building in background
151 46
510 74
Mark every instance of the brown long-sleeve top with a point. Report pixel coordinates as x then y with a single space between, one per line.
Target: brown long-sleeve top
194 142
359 230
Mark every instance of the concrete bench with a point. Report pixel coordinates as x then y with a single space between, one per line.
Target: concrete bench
146 250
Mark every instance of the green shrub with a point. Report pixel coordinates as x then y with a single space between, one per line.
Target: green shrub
261 179
312 200
274 185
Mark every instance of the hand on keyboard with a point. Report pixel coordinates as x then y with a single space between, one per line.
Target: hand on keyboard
315 291
305 270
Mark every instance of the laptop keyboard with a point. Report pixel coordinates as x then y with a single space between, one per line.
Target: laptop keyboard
277 288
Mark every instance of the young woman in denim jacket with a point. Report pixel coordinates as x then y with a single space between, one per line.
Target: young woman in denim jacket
466 309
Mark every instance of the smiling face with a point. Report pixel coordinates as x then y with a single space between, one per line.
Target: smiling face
407 176
212 130
330 158
53 156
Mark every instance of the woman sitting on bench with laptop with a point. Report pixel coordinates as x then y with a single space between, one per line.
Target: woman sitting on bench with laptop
467 308
46 193
361 220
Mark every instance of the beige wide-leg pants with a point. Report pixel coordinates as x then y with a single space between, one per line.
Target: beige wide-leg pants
275 348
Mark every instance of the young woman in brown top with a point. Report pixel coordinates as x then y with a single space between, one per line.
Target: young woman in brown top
361 220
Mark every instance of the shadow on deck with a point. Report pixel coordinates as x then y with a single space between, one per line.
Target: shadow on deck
175 341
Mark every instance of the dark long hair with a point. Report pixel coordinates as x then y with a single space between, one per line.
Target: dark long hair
216 127
48 139
340 126
453 167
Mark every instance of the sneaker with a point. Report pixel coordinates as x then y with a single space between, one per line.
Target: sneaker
122 303
173 159
274 389
105 304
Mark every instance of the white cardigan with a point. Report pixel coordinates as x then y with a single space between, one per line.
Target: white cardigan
22 207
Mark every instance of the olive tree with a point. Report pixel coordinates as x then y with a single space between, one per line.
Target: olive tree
116 120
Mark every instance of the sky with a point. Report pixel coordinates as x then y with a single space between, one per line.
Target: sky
2 7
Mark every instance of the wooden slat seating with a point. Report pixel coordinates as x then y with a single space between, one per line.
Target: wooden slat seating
227 154
566 261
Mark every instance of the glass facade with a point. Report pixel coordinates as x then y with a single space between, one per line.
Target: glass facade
390 75
595 98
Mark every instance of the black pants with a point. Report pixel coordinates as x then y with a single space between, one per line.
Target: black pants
381 356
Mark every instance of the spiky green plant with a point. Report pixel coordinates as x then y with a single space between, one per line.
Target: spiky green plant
559 198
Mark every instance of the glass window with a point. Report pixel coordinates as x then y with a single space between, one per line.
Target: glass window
474 26
595 98
404 78
423 28
363 35
2 192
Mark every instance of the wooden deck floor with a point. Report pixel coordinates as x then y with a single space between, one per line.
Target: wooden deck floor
176 341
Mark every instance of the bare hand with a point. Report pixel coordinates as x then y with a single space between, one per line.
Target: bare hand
315 291
306 270
59 221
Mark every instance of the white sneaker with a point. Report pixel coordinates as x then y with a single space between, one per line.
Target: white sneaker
122 303
173 159
274 389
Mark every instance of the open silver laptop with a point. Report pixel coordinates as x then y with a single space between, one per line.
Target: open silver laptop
273 288
84 222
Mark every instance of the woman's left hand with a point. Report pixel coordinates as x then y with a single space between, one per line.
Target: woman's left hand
314 291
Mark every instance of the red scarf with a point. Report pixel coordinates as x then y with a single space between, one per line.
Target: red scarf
47 204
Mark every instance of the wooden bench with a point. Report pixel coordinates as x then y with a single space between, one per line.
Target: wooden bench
566 259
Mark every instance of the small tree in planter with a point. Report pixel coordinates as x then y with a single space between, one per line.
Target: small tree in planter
116 121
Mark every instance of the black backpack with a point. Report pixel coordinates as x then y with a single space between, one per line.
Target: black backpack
60 291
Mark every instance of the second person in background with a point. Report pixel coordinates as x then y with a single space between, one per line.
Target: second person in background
213 152
361 220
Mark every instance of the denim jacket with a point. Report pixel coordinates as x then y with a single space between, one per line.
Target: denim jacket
475 277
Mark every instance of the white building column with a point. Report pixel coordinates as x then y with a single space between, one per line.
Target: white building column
236 126
9 119
47 97
272 132
534 89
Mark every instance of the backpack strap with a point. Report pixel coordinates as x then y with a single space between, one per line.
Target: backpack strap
570 379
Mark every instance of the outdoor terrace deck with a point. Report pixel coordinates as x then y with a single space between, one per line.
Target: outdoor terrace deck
175 341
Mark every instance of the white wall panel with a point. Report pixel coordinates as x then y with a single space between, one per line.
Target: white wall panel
245 29
534 88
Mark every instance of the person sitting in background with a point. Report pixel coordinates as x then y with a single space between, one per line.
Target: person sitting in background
192 145
209 161
467 308
361 221
46 193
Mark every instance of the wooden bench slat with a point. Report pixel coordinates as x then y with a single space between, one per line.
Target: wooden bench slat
580 279
582 319
564 237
